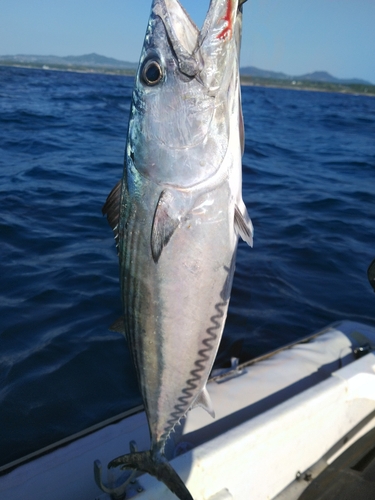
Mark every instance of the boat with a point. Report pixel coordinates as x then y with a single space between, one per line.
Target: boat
286 424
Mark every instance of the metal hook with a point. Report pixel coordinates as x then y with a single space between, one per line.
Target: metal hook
117 490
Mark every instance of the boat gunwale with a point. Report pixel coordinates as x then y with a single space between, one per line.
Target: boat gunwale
6 468
226 373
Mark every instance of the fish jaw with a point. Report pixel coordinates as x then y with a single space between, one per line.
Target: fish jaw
218 44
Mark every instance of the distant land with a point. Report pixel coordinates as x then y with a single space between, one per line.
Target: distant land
316 76
89 62
318 80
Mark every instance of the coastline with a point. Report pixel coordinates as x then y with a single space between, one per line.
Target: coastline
310 86
306 85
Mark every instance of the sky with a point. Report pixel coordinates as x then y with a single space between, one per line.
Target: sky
292 36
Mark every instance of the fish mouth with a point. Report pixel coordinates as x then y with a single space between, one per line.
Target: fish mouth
200 53
182 31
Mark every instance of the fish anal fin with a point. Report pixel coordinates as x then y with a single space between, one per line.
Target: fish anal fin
204 401
243 224
111 209
172 206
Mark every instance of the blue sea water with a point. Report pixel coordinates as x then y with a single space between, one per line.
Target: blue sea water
309 185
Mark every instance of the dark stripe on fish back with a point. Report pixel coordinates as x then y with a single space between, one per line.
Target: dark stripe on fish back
129 280
136 294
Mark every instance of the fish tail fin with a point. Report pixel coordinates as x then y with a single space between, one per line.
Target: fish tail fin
157 465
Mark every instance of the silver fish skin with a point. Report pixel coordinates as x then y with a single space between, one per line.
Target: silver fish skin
178 212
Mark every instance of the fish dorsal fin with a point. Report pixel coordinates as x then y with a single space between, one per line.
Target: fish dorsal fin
171 208
243 224
111 209
118 326
204 401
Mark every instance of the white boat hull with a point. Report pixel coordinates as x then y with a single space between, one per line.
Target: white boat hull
284 414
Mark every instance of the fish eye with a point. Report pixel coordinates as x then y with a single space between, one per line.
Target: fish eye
152 73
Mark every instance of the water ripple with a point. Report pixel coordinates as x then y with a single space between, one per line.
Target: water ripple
309 177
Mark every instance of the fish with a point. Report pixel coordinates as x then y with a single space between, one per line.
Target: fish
177 215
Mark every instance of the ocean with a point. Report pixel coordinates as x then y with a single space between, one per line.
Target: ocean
308 183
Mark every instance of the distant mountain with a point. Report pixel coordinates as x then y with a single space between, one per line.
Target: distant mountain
323 76
316 76
89 60
262 73
97 62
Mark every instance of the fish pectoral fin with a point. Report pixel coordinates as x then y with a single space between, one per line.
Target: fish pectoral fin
111 209
204 401
243 224
172 206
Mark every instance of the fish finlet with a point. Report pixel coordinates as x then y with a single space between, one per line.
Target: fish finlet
204 401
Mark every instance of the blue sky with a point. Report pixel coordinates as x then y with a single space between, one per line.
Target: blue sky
293 36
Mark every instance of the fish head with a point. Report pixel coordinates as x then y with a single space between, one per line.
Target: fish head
186 92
